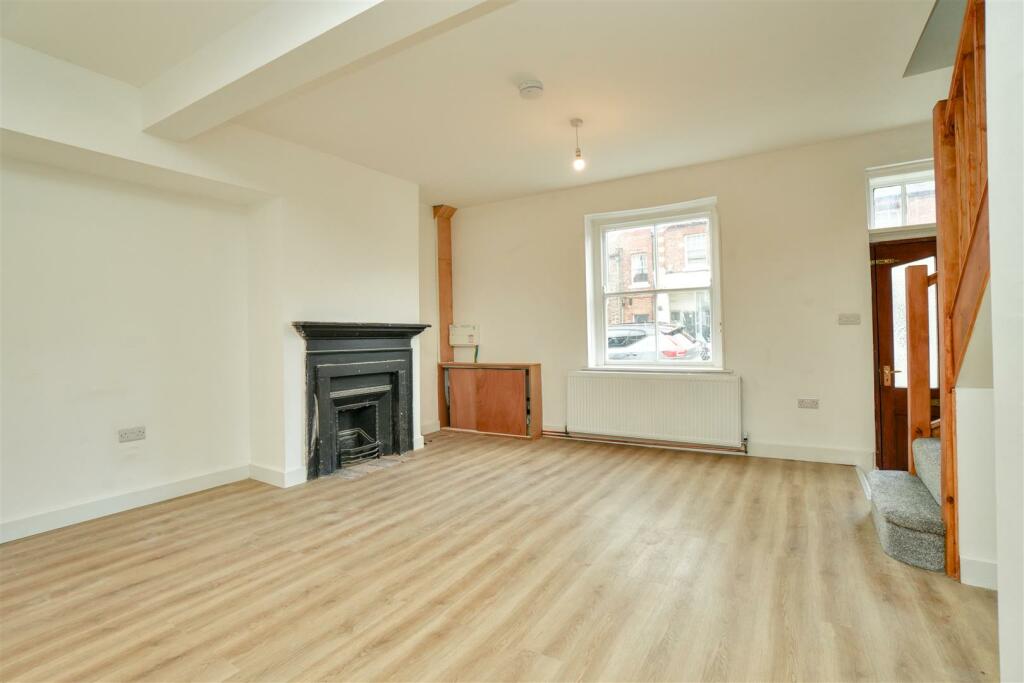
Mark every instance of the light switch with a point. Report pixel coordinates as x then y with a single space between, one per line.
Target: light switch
849 318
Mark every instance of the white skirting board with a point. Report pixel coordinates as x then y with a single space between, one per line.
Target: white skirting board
14 529
981 573
55 519
276 477
862 458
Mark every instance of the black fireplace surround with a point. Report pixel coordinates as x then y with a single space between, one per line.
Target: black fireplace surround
358 391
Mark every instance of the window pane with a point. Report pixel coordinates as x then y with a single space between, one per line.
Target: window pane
684 254
887 206
921 202
628 257
899 325
630 328
684 326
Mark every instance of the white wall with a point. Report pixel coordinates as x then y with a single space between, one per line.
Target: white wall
122 306
794 256
975 446
318 239
976 486
428 314
1004 25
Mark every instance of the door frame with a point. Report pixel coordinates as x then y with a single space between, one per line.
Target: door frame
876 385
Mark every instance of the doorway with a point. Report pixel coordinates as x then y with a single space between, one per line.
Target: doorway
889 261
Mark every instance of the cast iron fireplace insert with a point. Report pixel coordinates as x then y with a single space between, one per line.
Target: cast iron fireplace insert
358 391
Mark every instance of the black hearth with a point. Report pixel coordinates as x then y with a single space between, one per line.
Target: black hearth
359 391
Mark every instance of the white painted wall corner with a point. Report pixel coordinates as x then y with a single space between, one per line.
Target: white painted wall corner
863 477
277 477
980 573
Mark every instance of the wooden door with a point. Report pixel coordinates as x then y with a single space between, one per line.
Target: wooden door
889 261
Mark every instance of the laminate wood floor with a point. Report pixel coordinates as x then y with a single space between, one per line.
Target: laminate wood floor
495 559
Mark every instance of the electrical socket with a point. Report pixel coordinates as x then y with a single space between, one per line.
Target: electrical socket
131 434
807 403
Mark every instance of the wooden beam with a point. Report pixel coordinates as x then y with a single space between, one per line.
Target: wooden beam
445 303
919 417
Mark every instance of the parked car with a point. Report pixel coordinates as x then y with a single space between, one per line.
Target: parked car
643 341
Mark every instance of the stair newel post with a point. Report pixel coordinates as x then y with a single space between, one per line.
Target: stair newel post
919 417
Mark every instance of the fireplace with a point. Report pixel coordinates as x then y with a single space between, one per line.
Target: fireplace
358 392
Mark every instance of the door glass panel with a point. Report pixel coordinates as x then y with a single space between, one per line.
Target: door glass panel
899 324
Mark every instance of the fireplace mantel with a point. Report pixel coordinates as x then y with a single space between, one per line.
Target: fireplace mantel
324 330
359 384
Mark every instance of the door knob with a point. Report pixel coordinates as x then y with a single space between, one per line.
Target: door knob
887 373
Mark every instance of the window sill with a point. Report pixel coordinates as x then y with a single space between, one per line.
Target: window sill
648 369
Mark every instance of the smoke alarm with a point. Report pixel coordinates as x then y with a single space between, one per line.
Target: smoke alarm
531 90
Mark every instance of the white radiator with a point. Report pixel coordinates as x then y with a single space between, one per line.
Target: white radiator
688 408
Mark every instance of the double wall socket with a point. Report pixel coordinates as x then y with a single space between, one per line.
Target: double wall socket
131 434
807 403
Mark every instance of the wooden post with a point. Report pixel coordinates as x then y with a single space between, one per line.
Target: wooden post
919 419
445 315
947 214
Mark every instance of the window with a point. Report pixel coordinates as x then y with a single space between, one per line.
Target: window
901 196
653 279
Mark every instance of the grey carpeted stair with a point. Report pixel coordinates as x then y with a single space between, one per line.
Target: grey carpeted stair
906 512
927 454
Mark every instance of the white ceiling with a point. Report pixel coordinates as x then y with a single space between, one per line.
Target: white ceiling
658 85
132 41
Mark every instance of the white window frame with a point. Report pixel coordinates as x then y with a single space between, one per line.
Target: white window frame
596 225
897 174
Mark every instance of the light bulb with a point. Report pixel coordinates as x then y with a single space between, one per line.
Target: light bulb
578 163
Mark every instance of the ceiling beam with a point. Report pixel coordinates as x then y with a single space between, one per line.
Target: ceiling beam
291 45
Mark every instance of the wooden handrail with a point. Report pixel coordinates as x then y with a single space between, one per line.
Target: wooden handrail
961 210
961 186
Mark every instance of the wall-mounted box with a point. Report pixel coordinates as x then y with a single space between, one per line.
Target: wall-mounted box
464 335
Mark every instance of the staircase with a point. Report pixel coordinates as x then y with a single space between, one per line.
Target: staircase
906 510
915 512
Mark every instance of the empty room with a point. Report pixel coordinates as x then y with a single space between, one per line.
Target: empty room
511 340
